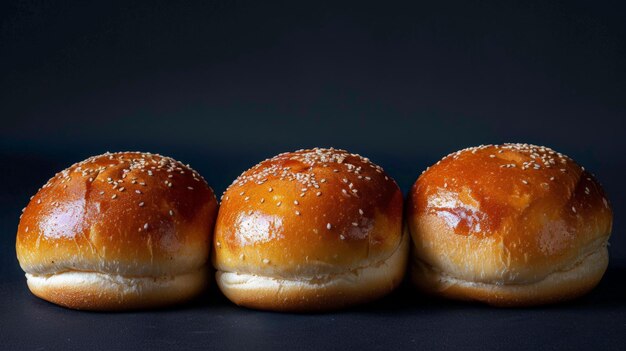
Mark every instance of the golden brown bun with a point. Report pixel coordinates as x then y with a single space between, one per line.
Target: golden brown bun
310 230
510 225
118 231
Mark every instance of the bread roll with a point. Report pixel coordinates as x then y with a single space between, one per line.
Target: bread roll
509 225
118 231
310 230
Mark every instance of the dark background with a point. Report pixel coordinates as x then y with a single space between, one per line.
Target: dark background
224 84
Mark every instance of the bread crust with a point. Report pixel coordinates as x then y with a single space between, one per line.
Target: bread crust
126 214
507 216
558 286
106 292
309 213
317 294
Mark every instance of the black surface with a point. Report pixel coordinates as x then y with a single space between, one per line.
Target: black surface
224 84
400 321
404 320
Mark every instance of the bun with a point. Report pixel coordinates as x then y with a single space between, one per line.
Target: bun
118 231
310 230
509 225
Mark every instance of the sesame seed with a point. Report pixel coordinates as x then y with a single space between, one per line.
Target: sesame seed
26 229
355 224
121 189
262 200
141 204
301 194
266 261
242 256
247 198
145 226
563 170
445 185
149 173
360 211
354 191
587 191
297 213
573 209
270 189
328 226
102 193
295 202
323 180
171 213
138 191
551 178
525 181
114 196
190 187
342 237
241 193
319 193
278 203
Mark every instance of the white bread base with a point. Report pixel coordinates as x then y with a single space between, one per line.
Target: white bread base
107 292
568 284
319 293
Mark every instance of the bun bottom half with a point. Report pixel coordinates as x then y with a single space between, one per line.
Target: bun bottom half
558 286
320 293
107 292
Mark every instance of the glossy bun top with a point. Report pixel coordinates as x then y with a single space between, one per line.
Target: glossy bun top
507 213
128 213
309 212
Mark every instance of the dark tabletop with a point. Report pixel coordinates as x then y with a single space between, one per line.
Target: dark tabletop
403 320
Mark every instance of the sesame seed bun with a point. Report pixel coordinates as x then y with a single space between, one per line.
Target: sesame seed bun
118 231
310 230
509 225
